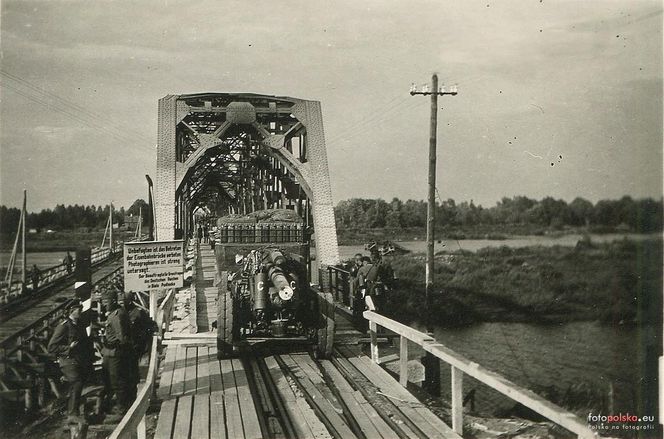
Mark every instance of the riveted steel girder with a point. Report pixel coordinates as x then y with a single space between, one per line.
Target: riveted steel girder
245 151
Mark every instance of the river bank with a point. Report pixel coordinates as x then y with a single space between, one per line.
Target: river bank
498 232
615 282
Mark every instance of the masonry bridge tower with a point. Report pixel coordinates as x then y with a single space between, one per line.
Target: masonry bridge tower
238 153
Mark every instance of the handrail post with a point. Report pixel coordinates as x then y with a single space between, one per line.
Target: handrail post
431 374
403 361
457 400
331 285
141 429
374 341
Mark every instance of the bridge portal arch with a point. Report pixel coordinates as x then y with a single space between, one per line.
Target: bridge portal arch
238 153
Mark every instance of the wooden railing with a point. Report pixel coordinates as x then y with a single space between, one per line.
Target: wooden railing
339 284
133 424
460 366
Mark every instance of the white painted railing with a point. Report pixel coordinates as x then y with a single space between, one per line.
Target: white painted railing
133 424
460 366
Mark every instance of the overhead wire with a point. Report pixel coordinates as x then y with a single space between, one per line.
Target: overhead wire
371 120
362 121
72 105
42 98
117 136
71 115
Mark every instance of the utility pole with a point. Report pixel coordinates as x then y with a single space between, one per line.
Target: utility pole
140 223
24 215
110 226
434 92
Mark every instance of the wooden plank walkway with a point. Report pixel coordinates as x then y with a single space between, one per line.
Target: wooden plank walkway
206 292
283 394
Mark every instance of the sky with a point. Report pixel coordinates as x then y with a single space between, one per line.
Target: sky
558 98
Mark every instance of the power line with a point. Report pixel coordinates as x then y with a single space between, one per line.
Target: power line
74 111
116 135
375 119
366 119
75 107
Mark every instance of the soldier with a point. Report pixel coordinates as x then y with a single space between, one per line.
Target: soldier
367 275
357 302
141 329
73 348
117 353
68 262
35 277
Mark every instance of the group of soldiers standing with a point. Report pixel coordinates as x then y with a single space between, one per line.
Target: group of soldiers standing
372 277
127 335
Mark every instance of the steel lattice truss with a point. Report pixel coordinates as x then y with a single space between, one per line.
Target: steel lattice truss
238 153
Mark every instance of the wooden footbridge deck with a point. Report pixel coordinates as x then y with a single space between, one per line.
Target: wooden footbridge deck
279 392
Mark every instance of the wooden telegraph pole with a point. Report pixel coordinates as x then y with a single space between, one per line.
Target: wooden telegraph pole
110 226
431 364
24 215
434 92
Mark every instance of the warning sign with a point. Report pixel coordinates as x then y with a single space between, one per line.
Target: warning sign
153 265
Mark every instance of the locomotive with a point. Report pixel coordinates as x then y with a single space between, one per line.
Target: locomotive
264 289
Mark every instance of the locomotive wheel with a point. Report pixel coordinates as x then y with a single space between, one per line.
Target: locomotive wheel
225 318
325 332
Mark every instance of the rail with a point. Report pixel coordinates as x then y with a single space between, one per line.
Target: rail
51 275
460 366
339 285
133 423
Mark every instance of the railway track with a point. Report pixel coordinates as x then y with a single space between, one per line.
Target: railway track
335 394
18 314
278 393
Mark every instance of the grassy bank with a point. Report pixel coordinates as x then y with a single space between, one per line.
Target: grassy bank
618 283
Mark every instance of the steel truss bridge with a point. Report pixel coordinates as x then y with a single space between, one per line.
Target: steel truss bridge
238 153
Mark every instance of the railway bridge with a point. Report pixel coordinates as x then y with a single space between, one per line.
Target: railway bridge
233 155
241 153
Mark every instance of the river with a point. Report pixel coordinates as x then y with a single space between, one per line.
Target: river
41 259
533 356
450 245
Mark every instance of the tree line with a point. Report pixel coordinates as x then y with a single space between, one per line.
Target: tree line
70 217
640 215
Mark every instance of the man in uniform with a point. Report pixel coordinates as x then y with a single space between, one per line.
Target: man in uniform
35 277
141 329
68 261
73 348
357 302
117 353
